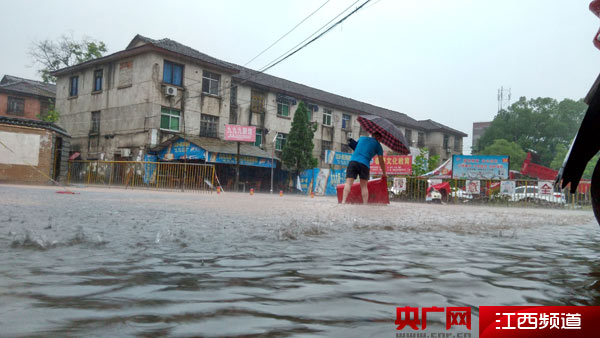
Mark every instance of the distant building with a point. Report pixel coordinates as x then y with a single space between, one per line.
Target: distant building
25 98
126 104
478 130
32 151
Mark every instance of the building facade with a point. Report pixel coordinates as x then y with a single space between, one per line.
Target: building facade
123 105
478 130
24 98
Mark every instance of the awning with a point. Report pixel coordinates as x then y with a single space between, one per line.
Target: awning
212 150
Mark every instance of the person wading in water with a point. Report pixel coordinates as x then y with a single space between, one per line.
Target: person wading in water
366 149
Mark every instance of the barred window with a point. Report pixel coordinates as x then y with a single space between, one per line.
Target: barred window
95 123
16 106
209 125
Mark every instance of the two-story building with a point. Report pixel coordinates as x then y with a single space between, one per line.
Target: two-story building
124 105
24 98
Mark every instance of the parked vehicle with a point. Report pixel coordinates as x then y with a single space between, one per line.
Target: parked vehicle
531 194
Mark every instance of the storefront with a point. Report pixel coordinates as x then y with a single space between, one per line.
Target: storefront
256 165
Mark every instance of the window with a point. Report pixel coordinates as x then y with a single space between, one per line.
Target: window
421 140
257 104
209 125
446 140
325 145
258 141
125 74
73 83
283 109
326 117
169 119
173 73
16 106
98 80
95 124
210 83
457 144
346 121
280 141
408 134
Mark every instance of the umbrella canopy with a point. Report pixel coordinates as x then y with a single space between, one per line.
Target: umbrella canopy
391 135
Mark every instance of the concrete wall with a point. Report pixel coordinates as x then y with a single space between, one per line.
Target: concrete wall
31 109
17 167
128 113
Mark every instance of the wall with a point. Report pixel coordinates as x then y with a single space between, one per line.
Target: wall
31 109
12 165
129 113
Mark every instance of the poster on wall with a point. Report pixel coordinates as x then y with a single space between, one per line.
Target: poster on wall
473 187
545 188
481 167
394 165
336 176
507 187
399 184
321 181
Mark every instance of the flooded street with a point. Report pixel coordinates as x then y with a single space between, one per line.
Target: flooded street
110 262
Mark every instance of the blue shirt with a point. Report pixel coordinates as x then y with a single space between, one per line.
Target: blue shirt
366 149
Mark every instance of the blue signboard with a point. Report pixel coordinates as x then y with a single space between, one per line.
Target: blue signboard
336 176
324 181
480 167
150 168
337 158
244 160
182 149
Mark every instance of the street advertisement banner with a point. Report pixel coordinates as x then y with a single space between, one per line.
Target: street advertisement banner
325 180
244 160
306 178
507 187
182 149
337 158
473 187
321 181
234 132
336 176
150 168
394 165
545 188
482 167
399 184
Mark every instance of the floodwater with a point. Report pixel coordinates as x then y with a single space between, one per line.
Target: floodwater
114 262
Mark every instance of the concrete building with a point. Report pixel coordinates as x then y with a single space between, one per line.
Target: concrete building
32 151
25 98
478 130
122 105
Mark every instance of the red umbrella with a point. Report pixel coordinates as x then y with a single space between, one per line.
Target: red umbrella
391 135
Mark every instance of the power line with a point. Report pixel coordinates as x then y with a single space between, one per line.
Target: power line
284 35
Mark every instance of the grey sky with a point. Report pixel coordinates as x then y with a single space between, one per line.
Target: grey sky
437 59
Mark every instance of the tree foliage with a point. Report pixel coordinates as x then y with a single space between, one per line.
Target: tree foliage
538 125
504 147
64 52
297 151
52 115
424 163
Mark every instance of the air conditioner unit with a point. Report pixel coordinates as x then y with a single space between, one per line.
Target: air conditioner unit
170 91
348 135
125 152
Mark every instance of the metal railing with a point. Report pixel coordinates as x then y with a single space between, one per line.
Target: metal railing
144 175
526 194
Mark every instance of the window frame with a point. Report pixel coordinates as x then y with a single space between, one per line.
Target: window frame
172 66
346 121
95 122
408 136
457 144
327 115
17 102
74 86
420 139
208 80
167 111
280 106
446 142
209 125
280 141
259 138
98 79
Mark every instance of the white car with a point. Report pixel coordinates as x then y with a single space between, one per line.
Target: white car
531 193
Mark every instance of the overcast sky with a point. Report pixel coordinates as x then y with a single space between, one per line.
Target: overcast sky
437 59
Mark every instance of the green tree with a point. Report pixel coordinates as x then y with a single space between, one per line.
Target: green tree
537 125
297 151
52 115
559 158
422 164
64 52
504 147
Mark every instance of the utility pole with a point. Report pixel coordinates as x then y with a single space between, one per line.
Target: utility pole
272 160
